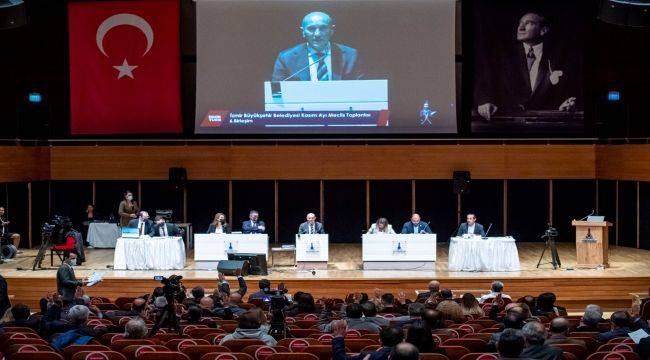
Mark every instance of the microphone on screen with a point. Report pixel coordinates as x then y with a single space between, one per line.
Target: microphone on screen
306 67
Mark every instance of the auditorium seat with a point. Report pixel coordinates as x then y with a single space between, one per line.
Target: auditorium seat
302 333
199 333
473 345
371 336
70 350
610 355
180 344
261 352
621 340
15 348
485 323
578 350
185 329
195 352
483 336
617 347
109 338
323 352
355 345
19 329
163 338
370 348
163 355
227 356
98 355
480 356
213 338
432 356
8 342
439 338
37 355
590 342
568 356
118 345
236 345
584 334
132 352
305 324
292 356
455 352
296 345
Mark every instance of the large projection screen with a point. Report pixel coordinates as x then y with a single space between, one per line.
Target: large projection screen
325 67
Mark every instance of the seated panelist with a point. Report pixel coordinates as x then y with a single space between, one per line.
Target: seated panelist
253 225
381 227
142 223
219 225
311 226
415 226
164 229
471 227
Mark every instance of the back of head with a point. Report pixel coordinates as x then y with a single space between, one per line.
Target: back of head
559 325
194 314
546 301
391 336
534 333
591 317
138 305
135 329
306 303
78 313
404 351
446 294
354 311
433 319
529 300
434 286
620 319
511 343
198 292
265 285
594 307
235 298
419 335
249 320
206 303
20 312
469 300
513 321
497 286
416 309
369 309
160 302
388 299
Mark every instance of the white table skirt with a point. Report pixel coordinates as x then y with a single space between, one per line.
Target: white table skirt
492 254
103 235
155 253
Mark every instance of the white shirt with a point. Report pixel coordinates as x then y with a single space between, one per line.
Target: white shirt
416 228
141 228
470 229
218 230
313 67
538 50
163 230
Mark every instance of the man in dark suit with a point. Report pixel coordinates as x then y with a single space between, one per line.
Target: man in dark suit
162 228
560 333
621 326
510 345
311 226
142 223
389 338
415 226
253 225
530 78
434 290
471 227
319 59
535 335
66 281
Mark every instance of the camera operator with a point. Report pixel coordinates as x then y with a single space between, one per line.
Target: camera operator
266 292
6 236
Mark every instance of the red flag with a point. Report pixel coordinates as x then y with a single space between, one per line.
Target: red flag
124 67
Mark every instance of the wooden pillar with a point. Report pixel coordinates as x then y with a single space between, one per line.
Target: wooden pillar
367 204
505 206
413 201
322 202
230 214
29 214
276 210
550 202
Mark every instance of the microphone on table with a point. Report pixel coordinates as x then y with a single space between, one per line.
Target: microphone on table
305 68
455 233
422 231
487 232
592 212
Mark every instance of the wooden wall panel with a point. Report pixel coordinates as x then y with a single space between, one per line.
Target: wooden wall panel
623 162
327 162
24 163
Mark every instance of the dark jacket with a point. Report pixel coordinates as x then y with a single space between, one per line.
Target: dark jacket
609 335
172 230
4 296
290 62
66 282
408 228
338 349
226 229
148 225
478 229
541 352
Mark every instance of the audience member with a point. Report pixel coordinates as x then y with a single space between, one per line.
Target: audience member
434 288
370 314
265 288
560 333
496 289
249 328
197 294
387 305
589 321
535 335
304 305
449 308
529 300
389 338
4 295
354 319
546 306
419 335
512 320
404 351
511 344
415 312
21 315
470 306
135 329
621 322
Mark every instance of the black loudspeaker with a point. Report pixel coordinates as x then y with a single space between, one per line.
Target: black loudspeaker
634 13
462 180
230 267
12 14
257 262
178 177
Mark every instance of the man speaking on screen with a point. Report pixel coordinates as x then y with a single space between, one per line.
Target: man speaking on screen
318 59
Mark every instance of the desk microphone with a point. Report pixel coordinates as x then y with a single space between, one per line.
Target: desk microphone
592 212
488 231
305 68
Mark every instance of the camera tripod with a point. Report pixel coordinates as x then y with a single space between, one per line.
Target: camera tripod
550 234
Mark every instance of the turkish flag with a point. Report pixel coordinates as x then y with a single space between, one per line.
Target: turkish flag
124 67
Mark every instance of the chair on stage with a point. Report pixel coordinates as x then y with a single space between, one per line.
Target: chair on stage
61 249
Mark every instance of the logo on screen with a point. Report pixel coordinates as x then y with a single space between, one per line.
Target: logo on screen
214 118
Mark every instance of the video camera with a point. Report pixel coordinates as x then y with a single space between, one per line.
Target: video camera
56 228
172 285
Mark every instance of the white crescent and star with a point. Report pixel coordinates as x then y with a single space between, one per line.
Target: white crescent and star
124 19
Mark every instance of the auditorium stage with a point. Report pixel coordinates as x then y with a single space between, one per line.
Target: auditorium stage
628 273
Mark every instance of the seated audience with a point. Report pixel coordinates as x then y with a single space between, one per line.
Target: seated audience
512 320
138 308
135 329
415 312
560 333
621 323
419 335
589 321
496 289
21 315
230 307
449 308
433 319
434 289
249 328
265 287
470 306
354 318
404 351
511 344
529 300
370 314
304 305
535 335
73 331
207 306
546 306
389 338
198 292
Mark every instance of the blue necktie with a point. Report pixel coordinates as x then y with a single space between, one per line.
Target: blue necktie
321 72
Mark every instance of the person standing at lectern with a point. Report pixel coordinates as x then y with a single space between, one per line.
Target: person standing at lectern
415 226
311 226
128 209
254 225
471 227
142 223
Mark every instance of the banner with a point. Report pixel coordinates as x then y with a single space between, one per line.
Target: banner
124 67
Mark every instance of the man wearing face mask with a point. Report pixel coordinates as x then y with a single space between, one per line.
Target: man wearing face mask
66 281
161 228
318 59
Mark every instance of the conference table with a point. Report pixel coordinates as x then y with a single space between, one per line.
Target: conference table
398 251
103 235
479 254
149 253
209 249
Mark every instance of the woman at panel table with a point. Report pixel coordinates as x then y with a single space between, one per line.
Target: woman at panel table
219 225
381 227
128 209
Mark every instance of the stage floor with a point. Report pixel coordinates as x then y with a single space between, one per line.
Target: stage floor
628 272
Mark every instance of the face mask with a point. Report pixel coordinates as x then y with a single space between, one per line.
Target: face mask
129 197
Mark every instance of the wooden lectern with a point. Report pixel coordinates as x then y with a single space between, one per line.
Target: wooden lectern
592 239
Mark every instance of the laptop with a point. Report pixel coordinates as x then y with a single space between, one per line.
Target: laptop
595 218
130 233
